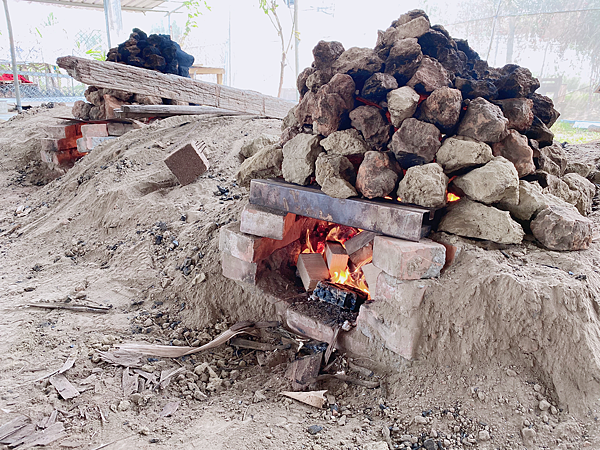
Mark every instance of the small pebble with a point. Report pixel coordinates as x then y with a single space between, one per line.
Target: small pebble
124 405
314 429
544 405
484 435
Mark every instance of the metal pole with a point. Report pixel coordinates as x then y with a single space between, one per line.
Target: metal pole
229 78
106 14
13 57
296 43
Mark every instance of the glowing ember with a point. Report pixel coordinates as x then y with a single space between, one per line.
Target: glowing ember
452 198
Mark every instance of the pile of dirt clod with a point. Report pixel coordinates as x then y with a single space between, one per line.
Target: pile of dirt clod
119 214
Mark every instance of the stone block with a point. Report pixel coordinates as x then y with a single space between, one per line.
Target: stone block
312 269
266 222
236 269
408 260
188 162
394 316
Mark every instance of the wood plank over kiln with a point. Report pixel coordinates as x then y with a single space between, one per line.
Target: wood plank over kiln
106 74
404 222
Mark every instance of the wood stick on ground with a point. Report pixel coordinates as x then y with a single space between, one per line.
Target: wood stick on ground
347 379
168 351
106 74
160 111
78 308
112 442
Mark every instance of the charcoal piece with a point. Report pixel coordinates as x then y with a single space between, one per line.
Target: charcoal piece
463 46
135 61
139 34
142 44
341 295
155 62
150 50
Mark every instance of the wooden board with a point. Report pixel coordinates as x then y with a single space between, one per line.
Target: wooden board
106 74
63 386
143 111
400 221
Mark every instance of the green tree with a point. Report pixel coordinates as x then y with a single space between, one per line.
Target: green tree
269 7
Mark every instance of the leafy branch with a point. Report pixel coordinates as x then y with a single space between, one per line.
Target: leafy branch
269 7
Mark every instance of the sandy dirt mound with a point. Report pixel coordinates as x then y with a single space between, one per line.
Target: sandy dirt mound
506 329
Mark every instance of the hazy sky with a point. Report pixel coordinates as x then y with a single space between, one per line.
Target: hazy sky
240 30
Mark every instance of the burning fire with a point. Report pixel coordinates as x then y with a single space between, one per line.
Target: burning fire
452 198
316 242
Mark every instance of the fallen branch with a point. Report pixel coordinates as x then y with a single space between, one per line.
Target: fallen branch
112 442
168 351
254 345
161 111
347 379
78 308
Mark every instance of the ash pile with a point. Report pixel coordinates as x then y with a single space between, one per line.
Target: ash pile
155 52
421 119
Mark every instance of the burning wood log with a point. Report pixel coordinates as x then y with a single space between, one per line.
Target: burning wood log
337 258
341 295
312 269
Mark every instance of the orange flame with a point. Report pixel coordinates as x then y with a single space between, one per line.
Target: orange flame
452 198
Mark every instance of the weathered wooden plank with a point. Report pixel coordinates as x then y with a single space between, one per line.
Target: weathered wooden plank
404 222
106 74
13 426
63 386
143 111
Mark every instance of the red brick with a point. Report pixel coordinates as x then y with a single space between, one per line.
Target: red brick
119 128
94 130
408 260
236 269
57 145
394 317
188 162
64 131
266 222
371 273
254 248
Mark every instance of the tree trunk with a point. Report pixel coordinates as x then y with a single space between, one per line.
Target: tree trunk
512 25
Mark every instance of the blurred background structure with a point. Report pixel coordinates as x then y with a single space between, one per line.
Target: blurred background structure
254 40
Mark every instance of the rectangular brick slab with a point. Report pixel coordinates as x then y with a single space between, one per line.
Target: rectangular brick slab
408 260
188 162
266 222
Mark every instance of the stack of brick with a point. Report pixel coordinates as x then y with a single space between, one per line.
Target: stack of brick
244 246
397 277
65 144
60 147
